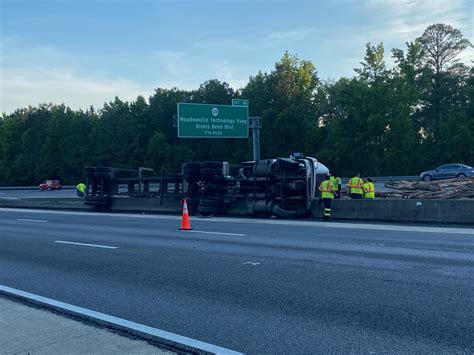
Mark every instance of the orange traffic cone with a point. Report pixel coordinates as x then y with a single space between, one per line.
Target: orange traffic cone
185 225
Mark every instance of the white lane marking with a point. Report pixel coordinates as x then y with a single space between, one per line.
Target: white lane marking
344 225
86 245
120 323
250 263
31 220
224 233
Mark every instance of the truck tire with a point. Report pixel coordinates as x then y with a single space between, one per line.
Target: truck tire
103 169
192 171
103 175
193 205
207 211
193 165
210 203
211 171
212 165
281 213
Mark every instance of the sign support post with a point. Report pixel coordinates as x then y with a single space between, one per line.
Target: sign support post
254 124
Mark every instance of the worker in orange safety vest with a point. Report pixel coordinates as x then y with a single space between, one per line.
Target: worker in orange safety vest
327 195
369 189
355 187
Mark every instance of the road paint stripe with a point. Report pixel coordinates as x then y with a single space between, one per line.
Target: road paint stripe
307 223
137 329
205 232
32 220
86 245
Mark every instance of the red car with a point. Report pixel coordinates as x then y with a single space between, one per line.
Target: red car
50 185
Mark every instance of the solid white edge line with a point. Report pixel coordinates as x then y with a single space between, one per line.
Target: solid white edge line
31 220
387 227
86 244
205 232
120 323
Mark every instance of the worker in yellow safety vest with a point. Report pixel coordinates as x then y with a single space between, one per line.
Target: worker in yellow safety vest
355 187
337 183
80 189
369 189
327 194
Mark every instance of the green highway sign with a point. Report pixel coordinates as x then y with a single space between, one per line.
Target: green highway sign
212 121
240 102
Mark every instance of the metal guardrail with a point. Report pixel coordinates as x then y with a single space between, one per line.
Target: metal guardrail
386 178
67 187
396 178
344 181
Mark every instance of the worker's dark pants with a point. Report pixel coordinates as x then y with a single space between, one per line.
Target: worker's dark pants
327 207
356 196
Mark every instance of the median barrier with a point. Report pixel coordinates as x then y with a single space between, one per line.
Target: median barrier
405 211
67 203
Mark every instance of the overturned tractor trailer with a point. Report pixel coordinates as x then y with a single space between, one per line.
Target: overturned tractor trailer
284 187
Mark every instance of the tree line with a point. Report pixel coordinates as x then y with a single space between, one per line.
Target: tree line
382 121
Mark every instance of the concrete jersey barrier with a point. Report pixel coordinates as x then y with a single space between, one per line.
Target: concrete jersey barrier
403 211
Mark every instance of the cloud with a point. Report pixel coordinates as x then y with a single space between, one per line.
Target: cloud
24 87
407 19
225 72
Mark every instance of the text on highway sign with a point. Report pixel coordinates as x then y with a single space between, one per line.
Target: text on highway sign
212 121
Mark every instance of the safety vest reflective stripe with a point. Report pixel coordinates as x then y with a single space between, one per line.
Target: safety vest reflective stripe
369 187
326 186
326 189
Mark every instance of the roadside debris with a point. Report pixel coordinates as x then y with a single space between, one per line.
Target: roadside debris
439 189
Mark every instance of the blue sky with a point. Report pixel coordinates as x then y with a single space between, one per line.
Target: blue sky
85 52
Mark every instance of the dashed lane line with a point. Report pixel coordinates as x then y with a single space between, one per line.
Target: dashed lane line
86 244
218 233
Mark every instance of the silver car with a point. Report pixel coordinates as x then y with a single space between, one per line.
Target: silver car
447 171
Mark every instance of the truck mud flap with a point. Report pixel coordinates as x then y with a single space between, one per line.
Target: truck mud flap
282 213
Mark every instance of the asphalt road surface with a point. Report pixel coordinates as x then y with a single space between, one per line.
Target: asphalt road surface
255 286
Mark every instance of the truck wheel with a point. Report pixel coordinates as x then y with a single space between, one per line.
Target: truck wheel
103 169
206 211
211 171
193 205
192 171
281 213
103 175
212 165
209 203
193 165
